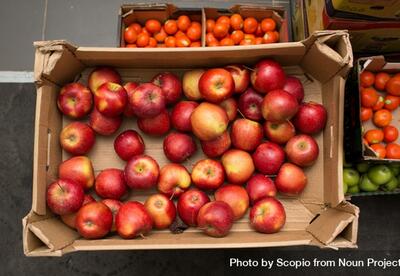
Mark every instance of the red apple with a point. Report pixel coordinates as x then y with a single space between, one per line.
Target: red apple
64 196
241 77
110 183
190 84
75 100
178 147
147 100
110 99
230 106
246 134
279 133
290 180
215 218
170 85
189 204
208 174
311 118
174 180
218 146
260 186
236 197
161 209
94 220
77 138
267 215
133 220
104 125
250 104
279 106
102 75
216 85
129 87
128 144
114 206
238 166
69 219
180 115
208 121
294 86
267 75
78 169
141 172
156 126
302 150
268 158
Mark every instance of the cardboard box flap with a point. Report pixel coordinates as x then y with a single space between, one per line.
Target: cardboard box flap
334 48
53 233
328 225
55 62
378 63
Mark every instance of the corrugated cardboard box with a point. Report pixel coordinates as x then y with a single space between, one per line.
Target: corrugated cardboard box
130 13
369 9
319 216
356 150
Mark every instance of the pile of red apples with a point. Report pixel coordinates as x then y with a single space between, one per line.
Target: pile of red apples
254 129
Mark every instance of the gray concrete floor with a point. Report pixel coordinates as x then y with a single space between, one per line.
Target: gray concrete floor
379 230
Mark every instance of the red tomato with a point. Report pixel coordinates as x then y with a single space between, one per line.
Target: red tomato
194 33
392 102
365 114
170 41
393 85
171 27
250 25
367 79
374 136
184 23
220 30
390 133
379 149
210 23
130 35
268 25
382 118
142 40
153 26
379 104
369 97
237 36
227 41
270 37
393 151
236 21
183 41
380 80
224 20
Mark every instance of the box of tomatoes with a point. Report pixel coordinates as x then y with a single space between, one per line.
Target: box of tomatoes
144 148
373 98
165 25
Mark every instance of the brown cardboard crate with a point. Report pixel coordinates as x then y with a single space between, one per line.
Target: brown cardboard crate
319 216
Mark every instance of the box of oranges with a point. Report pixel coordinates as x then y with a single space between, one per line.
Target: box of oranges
373 99
165 25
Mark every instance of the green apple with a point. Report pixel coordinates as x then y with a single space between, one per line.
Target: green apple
353 189
367 185
350 176
345 188
391 185
380 174
362 167
395 169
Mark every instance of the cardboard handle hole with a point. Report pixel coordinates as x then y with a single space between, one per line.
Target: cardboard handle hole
376 8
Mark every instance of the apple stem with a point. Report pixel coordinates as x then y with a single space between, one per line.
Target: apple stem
172 196
62 189
241 114
248 68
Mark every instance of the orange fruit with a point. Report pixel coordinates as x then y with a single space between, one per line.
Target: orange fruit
250 25
237 36
170 26
236 21
183 23
153 26
210 23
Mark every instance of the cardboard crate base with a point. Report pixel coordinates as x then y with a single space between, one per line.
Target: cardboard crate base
319 216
